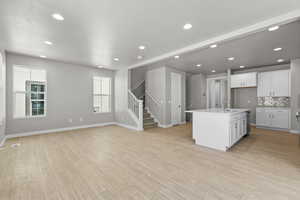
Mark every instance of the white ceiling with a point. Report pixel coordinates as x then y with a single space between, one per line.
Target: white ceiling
96 31
250 51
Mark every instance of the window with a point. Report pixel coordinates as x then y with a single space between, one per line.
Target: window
102 94
29 90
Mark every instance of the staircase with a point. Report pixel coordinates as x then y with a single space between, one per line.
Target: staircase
148 121
139 93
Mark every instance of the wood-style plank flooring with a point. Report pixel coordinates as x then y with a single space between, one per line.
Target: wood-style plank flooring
111 163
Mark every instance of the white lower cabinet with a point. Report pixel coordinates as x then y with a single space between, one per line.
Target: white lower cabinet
273 117
238 129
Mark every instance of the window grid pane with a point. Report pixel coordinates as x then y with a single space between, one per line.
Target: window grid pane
101 93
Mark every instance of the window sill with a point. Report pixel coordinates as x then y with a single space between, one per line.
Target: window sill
30 117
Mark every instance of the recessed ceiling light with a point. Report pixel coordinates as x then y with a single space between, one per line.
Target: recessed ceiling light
187 26
176 57
213 46
231 58
140 57
100 66
48 42
242 66
199 65
43 56
277 49
213 71
116 59
280 60
57 16
142 47
273 28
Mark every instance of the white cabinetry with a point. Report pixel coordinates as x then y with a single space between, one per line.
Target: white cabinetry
244 80
273 117
238 128
274 84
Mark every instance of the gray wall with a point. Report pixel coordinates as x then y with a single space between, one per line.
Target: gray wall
295 103
245 98
196 91
156 87
70 89
137 75
122 116
2 95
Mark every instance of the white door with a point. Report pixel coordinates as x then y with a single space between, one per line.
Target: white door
175 98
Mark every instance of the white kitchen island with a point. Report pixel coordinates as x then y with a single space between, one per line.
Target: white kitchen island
219 128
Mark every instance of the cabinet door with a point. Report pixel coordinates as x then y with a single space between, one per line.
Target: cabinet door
280 119
236 81
233 132
281 83
260 86
244 126
262 117
251 79
265 84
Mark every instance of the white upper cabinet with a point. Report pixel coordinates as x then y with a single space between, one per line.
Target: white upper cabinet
244 80
274 84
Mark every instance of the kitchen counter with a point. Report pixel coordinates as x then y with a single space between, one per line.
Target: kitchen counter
222 111
219 128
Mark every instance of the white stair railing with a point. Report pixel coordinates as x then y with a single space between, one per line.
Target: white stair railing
136 107
154 107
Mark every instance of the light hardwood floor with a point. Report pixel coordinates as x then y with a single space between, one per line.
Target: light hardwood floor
115 163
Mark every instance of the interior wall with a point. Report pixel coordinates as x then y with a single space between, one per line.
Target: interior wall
122 116
156 87
2 94
69 94
138 75
295 92
246 98
196 91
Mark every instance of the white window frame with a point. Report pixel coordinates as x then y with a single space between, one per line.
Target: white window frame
25 93
109 96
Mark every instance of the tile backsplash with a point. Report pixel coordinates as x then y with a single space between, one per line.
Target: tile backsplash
273 101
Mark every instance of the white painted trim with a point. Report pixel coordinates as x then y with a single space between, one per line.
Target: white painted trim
165 126
129 127
295 131
137 121
273 129
56 130
2 141
260 26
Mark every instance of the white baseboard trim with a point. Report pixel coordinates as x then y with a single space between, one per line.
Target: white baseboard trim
129 127
57 130
165 126
295 131
2 141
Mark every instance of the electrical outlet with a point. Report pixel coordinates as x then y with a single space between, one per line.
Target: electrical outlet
70 120
81 119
